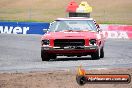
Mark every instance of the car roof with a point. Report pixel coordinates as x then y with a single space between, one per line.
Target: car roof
74 18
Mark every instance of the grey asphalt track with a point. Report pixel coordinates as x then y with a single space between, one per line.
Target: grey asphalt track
22 53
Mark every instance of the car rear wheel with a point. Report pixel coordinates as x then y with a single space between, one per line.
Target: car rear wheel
45 56
102 53
95 56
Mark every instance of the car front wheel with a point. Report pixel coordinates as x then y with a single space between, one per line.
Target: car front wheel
45 56
95 56
102 53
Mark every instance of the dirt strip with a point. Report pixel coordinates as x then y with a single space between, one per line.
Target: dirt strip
57 79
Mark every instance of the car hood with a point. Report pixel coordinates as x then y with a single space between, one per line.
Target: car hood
69 35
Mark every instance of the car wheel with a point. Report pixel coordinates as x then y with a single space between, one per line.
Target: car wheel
44 56
102 53
95 56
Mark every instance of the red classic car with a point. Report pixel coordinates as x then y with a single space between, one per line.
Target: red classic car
72 36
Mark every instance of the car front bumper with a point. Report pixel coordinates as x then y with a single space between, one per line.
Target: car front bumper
70 50
93 47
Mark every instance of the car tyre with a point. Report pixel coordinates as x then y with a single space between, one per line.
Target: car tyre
95 56
102 53
44 56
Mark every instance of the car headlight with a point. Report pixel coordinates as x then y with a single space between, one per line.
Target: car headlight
92 41
45 42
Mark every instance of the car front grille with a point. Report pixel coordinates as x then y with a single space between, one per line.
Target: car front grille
69 42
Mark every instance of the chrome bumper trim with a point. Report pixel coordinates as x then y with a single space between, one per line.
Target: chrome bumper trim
92 47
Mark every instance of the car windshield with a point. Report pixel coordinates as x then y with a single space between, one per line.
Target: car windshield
72 25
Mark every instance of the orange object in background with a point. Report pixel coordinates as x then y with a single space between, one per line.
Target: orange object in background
81 71
72 6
